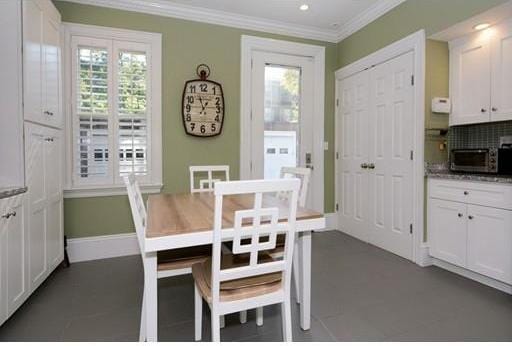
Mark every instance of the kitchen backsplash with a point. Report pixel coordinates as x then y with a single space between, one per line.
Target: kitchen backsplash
478 135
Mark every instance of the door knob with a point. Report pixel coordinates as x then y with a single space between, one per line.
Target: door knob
308 161
364 165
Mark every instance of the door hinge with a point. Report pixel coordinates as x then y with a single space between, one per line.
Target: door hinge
410 228
252 63
412 155
250 165
412 80
337 156
337 207
337 102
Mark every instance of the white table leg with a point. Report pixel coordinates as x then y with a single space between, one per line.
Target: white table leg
305 279
151 298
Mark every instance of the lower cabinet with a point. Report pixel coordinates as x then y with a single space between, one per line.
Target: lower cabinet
14 277
474 237
490 242
447 231
45 200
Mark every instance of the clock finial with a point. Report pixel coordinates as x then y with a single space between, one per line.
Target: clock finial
203 71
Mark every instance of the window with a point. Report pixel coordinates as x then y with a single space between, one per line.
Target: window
115 113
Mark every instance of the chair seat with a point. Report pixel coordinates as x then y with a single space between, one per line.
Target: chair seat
238 289
183 258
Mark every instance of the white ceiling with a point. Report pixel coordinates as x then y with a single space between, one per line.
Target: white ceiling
274 16
321 14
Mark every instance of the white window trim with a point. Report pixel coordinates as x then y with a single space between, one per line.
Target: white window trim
154 40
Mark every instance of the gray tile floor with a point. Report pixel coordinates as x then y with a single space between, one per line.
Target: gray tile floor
359 293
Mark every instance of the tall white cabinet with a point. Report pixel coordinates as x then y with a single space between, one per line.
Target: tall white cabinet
481 76
31 224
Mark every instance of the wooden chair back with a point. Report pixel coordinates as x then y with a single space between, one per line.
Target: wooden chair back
138 208
301 173
206 185
260 225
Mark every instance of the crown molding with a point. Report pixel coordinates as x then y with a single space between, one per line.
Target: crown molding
366 17
170 9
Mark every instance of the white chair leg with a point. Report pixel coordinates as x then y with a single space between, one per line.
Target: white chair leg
286 312
259 316
243 316
215 327
296 271
142 332
222 321
198 303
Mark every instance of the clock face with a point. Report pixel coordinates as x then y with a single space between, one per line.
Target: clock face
203 108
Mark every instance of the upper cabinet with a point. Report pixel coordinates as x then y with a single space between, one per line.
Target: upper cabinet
42 63
11 118
481 76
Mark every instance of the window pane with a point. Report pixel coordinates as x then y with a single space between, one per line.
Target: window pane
281 119
132 100
92 110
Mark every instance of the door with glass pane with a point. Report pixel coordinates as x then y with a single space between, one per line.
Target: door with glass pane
282 111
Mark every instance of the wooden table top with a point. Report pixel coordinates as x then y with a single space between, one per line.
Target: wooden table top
172 214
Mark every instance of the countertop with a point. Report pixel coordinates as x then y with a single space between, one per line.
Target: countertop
441 171
11 191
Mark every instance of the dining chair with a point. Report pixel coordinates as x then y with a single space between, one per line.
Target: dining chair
206 185
248 278
304 174
170 262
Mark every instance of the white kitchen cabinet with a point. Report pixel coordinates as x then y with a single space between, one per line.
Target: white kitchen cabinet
45 219
470 225
15 286
481 76
501 59
447 231
42 63
470 80
490 242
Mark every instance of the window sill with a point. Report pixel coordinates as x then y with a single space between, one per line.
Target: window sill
104 191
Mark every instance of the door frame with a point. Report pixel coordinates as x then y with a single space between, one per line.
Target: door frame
249 44
416 43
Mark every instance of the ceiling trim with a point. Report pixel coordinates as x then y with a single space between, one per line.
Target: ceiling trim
169 9
366 17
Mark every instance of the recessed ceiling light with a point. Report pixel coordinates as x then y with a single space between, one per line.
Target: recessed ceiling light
481 26
304 7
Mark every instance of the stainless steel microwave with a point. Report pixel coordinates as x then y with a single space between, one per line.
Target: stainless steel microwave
493 160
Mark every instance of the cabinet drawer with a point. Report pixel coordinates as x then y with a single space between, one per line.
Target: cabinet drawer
486 194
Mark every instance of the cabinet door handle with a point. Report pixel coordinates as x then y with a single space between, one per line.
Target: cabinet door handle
6 216
371 166
460 215
483 110
470 217
494 109
364 165
466 193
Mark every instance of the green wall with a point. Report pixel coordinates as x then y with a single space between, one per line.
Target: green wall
405 19
185 45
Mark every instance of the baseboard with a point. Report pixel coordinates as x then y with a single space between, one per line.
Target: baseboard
331 222
107 246
473 276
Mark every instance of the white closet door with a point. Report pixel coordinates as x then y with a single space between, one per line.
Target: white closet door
353 151
51 70
390 144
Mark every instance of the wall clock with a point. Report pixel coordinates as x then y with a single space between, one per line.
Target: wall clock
203 105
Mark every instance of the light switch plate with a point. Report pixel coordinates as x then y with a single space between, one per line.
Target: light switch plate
326 145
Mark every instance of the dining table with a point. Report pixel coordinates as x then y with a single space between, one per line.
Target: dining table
181 220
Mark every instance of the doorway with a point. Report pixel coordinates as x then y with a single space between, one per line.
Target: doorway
282 111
